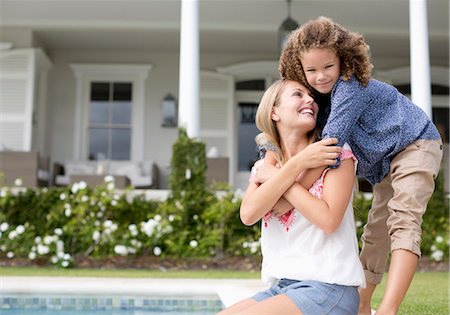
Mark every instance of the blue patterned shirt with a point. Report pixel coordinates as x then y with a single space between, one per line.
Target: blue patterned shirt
377 121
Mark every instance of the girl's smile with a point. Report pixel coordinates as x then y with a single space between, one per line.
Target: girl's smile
322 68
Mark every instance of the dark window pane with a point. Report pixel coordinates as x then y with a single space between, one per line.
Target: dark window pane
247 113
441 120
251 85
121 143
99 112
121 112
98 143
247 131
100 91
436 89
122 91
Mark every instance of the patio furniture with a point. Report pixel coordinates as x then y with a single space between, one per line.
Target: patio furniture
24 167
141 175
120 181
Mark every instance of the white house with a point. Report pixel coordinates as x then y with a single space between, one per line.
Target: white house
94 79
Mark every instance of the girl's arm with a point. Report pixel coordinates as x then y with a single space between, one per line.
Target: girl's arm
326 213
260 199
349 100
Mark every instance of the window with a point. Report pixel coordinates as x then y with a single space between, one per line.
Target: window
110 111
247 132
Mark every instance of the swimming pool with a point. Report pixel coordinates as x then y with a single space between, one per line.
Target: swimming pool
102 305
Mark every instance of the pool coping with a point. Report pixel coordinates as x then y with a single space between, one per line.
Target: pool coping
229 291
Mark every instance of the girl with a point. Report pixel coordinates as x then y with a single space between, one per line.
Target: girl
310 254
398 148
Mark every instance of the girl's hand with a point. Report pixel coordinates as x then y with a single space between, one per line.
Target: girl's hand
321 153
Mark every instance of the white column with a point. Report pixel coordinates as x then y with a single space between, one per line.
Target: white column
189 85
420 58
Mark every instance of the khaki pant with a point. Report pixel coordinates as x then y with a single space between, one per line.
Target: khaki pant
399 203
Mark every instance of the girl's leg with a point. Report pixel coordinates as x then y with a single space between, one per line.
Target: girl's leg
414 171
376 244
279 304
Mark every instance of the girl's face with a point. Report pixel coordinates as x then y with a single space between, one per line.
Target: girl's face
296 107
322 68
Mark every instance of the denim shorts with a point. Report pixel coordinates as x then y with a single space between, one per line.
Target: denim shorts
315 297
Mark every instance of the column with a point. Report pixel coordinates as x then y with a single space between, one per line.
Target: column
419 52
189 85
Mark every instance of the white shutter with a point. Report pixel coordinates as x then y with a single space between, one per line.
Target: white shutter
16 98
216 111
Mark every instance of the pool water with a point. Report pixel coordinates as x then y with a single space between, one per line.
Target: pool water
111 305
98 312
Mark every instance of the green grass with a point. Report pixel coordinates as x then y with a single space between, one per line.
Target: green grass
428 294
126 273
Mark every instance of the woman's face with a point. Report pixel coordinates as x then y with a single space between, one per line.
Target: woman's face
322 68
296 107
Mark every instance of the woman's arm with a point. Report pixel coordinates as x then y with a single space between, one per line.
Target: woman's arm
260 199
326 213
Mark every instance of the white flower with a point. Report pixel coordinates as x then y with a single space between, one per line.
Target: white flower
439 239
10 255
437 255
107 223
358 223
75 187
193 243
67 257
4 226
82 185
114 203
178 205
18 182
195 217
157 251
171 218
84 198
109 178
37 239
121 250
20 229
54 259
3 193
158 217
96 236
32 255
42 249
131 250
58 231
60 255
62 196
48 240
65 264
110 186
67 212
12 235
188 174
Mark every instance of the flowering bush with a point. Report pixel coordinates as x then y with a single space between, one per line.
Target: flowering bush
59 224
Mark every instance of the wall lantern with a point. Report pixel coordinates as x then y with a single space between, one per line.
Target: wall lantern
288 25
169 110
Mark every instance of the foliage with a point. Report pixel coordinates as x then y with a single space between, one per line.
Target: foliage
58 224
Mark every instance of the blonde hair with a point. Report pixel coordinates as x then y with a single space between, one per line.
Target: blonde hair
351 49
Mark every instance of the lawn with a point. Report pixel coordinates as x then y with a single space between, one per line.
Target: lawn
428 294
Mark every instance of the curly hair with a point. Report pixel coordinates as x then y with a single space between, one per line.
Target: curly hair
351 49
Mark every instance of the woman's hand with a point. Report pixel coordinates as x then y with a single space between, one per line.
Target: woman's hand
320 153
264 171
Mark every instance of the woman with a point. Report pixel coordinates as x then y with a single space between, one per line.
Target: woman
310 253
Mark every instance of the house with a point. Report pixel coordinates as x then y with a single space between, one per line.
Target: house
99 80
